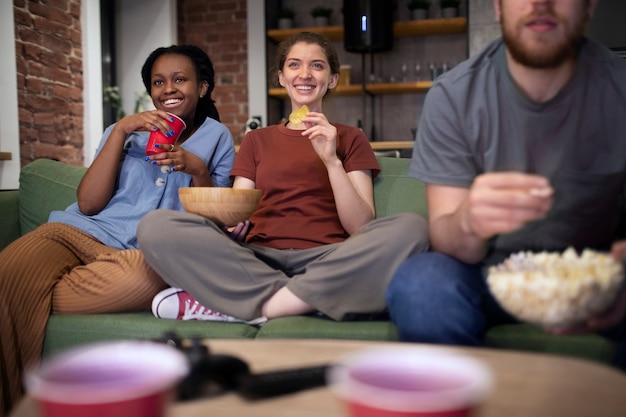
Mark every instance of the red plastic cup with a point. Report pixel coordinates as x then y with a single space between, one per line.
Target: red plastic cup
409 382
157 137
121 379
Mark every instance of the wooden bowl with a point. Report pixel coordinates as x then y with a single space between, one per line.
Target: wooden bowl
224 206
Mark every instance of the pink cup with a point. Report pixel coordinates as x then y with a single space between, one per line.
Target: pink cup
121 379
157 137
409 381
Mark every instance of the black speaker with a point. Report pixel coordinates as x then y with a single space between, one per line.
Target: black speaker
368 25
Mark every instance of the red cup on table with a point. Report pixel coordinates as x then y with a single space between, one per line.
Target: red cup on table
121 379
409 382
165 142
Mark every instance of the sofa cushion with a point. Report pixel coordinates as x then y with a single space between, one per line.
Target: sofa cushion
312 327
394 192
531 338
46 185
523 337
65 331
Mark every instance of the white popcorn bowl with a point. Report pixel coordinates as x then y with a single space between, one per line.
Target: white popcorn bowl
556 293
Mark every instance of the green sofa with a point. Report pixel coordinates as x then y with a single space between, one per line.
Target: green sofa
47 185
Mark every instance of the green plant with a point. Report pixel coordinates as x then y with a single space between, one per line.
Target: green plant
286 13
418 4
449 3
111 95
142 101
321 11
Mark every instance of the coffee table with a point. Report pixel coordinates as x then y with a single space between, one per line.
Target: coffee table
525 384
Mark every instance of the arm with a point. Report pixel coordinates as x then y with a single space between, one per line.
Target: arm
463 220
185 161
354 191
445 205
98 184
245 183
354 197
207 155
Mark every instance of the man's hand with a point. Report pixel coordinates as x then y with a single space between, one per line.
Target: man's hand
505 201
462 220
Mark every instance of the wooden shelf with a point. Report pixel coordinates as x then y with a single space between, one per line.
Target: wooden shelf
333 33
400 29
398 88
5 156
342 90
374 89
454 25
390 145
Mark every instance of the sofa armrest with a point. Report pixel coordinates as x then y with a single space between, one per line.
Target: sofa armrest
46 185
9 217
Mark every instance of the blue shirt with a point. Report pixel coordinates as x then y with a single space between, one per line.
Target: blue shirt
143 187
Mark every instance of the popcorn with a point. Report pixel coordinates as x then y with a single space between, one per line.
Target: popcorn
553 289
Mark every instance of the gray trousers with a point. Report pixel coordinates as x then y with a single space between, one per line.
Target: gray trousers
351 277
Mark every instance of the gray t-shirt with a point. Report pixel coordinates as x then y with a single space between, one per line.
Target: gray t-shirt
476 120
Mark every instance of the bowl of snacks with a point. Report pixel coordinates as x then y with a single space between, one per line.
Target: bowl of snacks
555 289
224 206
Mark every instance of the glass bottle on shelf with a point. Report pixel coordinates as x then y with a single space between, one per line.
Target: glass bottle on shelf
417 71
404 72
434 71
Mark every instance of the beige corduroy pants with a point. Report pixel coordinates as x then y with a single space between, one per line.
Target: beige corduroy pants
62 270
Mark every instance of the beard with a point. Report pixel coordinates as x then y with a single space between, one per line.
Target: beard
544 52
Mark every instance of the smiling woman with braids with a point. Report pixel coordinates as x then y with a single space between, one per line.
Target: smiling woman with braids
85 259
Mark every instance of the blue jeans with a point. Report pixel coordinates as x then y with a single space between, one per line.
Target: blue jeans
434 298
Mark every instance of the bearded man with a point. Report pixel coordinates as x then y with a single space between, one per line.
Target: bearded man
521 147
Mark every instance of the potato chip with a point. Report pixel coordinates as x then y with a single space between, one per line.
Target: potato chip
296 116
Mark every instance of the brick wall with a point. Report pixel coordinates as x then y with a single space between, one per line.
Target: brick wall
219 28
49 79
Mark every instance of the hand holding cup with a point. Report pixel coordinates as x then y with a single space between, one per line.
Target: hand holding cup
160 142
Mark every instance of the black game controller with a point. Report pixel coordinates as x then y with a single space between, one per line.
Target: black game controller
212 374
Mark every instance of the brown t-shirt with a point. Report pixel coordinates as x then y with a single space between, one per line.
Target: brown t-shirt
297 209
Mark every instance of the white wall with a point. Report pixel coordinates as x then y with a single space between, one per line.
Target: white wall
9 119
142 26
257 81
92 78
